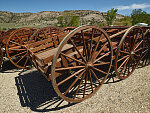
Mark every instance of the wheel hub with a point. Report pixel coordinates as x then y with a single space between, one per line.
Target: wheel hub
132 53
88 65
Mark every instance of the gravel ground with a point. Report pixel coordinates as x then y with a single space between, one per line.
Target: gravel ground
28 91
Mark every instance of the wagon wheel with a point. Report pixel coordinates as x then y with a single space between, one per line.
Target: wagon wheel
77 73
16 47
129 52
145 59
1 57
44 33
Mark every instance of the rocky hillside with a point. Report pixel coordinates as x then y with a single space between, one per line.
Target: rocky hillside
50 17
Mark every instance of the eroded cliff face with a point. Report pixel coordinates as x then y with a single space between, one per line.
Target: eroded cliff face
50 17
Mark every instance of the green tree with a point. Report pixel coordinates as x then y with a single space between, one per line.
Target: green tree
111 15
68 19
74 21
4 29
139 16
60 21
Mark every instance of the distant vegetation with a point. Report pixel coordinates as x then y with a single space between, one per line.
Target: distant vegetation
126 21
67 19
74 18
138 16
111 16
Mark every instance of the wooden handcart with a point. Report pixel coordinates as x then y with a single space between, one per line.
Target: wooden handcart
78 62
14 44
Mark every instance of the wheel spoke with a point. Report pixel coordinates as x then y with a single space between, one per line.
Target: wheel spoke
25 35
122 58
124 62
91 43
99 51
19 39
106 54
137 55
21 58
95 48
84 45
68 68
73 58
100 70
134 59
37 37
15 43
95 76
123 68
124 52
70 76
127 46
74 82
145 53
130 42
17 49
85 84
18 54
129 66
147 61
77 50
138 50
91 80
135 36
14 49
49 30
79 85
44 34
28 38
137 45
99 64
26 62
132 64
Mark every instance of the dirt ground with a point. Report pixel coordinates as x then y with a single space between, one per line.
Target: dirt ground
28 91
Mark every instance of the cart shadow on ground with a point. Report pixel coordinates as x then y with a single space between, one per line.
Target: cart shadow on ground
112 78
37 93
145 61
8 67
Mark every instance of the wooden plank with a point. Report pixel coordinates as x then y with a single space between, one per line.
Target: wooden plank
41 47
32 45
112 30
43 73
47 56
119 33
59 37
67 49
